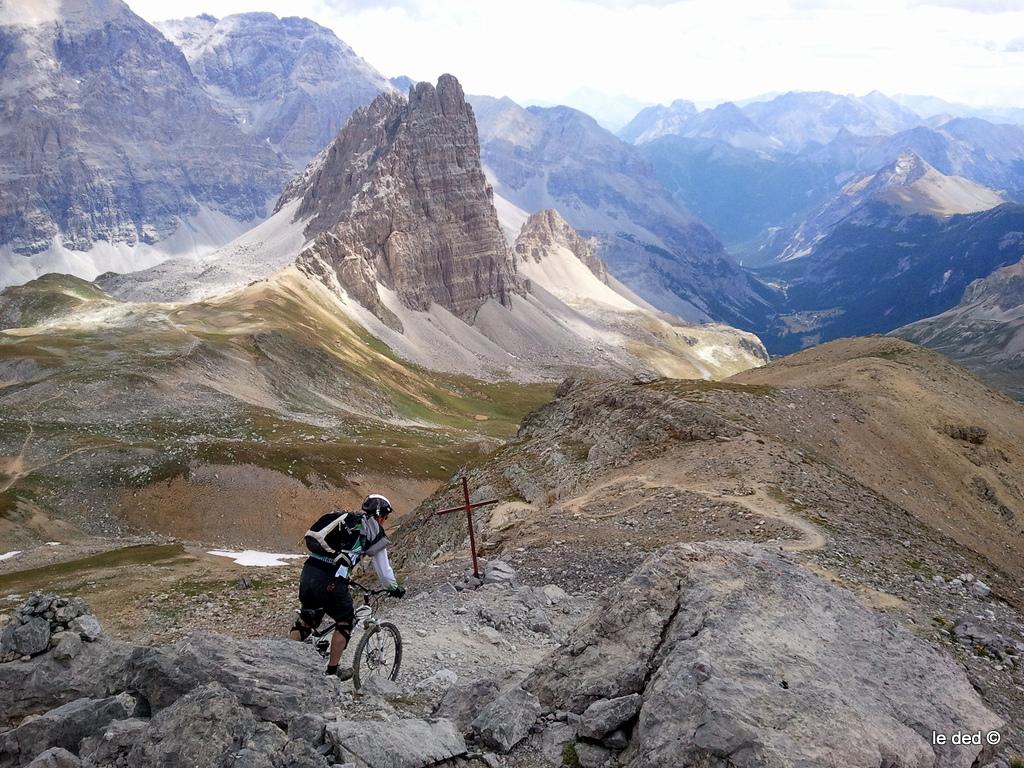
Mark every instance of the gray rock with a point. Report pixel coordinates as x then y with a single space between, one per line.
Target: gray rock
974 635
113 743
592 755
507 719
274 678
88 627
539 621
551 741
309 727
694 620
464 700
55 757
69 645
442 679
555 593
607 715
64 726
396 743
980 589
201 728
617 739
491 635
499 572
378 685
44 682
32 637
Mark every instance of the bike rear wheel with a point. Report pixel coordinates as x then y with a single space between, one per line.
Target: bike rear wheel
379 654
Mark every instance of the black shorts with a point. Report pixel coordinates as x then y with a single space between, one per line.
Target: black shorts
321 592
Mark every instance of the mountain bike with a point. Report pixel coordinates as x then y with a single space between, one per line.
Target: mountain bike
379 651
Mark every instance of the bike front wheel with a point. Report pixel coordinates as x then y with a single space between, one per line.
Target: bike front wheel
379 654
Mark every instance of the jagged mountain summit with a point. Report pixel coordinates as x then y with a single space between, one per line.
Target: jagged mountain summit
905 187
985 331
288 81
399 200
560 158
113 156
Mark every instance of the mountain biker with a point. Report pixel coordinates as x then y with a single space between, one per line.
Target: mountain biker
336 543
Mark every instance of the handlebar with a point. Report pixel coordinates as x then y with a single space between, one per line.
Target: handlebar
365 590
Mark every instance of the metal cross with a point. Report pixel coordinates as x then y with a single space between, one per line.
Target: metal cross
469 507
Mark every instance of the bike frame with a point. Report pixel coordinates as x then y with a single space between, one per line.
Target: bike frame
368 599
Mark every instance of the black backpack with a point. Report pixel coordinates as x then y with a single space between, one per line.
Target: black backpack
334 535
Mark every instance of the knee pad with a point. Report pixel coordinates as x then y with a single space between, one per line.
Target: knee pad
302 629
344 629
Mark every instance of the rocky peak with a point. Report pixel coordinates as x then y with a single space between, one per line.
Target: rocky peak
903 171
547 228
399 199
1004 288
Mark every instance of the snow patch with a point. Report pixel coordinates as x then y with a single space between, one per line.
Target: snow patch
9 555
251 557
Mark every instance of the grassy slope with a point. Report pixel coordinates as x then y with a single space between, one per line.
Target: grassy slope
271 376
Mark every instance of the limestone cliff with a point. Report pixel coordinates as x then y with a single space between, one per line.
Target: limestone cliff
399 199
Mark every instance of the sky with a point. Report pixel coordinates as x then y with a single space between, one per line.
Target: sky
708 51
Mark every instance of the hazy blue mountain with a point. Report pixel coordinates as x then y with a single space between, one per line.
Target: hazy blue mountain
986 153
799 119
658 120
611 110
931 106
908 186
741 194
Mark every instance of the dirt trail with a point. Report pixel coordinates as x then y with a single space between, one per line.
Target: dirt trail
760 503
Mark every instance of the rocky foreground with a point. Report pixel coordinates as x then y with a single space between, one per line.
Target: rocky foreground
708 654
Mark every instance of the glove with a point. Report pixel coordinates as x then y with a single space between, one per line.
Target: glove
396 591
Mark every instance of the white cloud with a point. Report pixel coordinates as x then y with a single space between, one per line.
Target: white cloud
658 50
978 6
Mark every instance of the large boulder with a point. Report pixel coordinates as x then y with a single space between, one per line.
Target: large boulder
97 670
507 719
464 700
395 743
744 658
201 728
62 727
607 715
57 757
276 679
